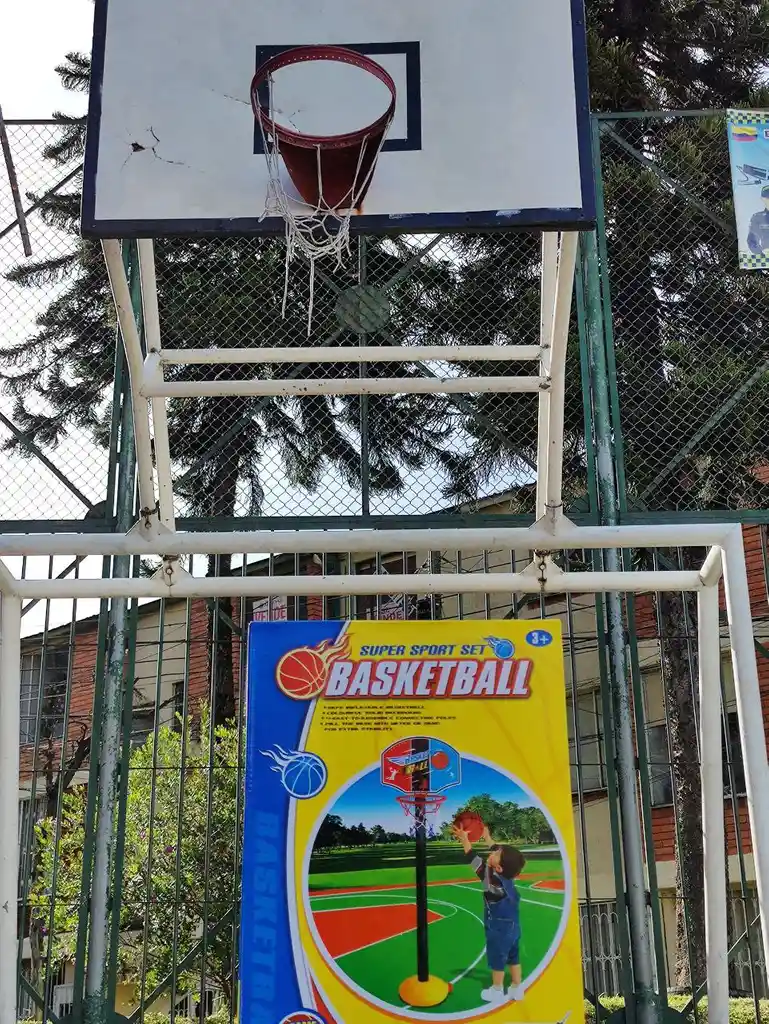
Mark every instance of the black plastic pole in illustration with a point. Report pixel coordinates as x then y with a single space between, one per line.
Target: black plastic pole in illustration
423 989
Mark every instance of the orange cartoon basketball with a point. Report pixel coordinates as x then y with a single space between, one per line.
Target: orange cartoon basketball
302 673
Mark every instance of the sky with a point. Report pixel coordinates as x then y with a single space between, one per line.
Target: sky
36 35
371 803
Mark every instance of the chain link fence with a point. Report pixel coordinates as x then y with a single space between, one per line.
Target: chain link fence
51 466
690 330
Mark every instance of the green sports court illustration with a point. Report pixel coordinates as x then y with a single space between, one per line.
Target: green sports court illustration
361 891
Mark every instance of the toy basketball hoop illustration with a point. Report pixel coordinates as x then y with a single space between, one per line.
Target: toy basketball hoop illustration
421 768
331 173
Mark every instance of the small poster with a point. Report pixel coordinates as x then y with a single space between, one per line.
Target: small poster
749 156
409 850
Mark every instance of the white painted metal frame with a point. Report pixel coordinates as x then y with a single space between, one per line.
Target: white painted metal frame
155 534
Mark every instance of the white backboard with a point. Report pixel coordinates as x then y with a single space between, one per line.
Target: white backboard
491 126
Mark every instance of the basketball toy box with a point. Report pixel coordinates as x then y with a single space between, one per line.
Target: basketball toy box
409 849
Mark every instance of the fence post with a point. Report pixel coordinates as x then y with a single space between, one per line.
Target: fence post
632 841
10 729
97 1009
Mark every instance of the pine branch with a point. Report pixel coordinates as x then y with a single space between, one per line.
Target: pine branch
43 272
75 72
71 142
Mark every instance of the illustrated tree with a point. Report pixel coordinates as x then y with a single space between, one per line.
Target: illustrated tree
506 820
175 873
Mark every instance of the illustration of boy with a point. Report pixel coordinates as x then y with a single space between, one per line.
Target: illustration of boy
501 916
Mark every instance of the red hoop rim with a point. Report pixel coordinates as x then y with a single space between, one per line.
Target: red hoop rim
430 801
302 54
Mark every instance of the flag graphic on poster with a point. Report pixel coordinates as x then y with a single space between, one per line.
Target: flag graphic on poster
409 849
749 157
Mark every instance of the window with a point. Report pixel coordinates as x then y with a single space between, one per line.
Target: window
177 705
660 769
587 749
43 674
660 778
29 814
390 606
142 724
189 1006
734 752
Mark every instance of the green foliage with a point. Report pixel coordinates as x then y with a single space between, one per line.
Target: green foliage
179 864
741 1011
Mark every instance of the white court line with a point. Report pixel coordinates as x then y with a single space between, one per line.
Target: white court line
440 903
368 945
336 910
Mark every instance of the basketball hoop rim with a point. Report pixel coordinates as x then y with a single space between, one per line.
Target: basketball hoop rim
302 54
431 801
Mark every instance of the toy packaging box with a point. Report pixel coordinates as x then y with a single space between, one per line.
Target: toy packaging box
409 849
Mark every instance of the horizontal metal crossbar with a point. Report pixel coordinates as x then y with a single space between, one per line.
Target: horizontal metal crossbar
535 538
186 586
362 354
153 387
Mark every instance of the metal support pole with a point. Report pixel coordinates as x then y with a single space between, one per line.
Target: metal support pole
128 314
97 1009
149 299
564 291
713 829
619 681
549 278
750 711
21 217
10 727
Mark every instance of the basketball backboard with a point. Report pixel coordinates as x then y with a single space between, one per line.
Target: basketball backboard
420 764
491 126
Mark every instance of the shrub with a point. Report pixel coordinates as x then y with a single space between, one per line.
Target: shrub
741 1011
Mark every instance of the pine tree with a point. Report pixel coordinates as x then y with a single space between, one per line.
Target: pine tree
679 357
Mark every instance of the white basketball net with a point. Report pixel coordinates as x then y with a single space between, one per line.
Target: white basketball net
313 231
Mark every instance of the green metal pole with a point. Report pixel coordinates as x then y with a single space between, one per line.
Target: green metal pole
121 371
97 1009
621 692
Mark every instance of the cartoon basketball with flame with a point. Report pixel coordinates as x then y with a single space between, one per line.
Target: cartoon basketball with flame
302 673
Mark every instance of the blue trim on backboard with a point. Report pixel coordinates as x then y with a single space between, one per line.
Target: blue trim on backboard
570 219
582 95
93 120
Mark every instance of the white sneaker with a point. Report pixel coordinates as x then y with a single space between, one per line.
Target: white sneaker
515 993
493 995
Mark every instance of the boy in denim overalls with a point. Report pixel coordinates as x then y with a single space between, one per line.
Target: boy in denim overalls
501 917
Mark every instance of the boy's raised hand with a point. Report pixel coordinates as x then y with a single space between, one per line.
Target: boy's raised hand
486 836
458 833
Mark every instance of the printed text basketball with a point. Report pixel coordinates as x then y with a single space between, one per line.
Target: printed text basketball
471 823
